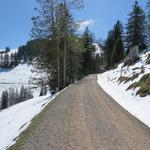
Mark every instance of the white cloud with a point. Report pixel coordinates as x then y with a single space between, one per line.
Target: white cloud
85 23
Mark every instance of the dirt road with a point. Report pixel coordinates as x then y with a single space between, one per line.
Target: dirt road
84 117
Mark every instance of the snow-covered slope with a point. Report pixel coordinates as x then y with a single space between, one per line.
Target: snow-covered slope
16 77
99 50
20 74
18 117
136 105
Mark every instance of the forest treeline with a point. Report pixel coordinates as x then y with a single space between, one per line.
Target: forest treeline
65 56
13 96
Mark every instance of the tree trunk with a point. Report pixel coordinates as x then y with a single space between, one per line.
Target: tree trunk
58 61
65 47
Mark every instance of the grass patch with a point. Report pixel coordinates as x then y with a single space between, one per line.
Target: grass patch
133 86
144 85
122 79
127 79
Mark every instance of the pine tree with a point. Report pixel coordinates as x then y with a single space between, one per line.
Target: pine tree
25 94
88 55
43 24
114 46
4 99
118 46
6 60
135 28
7 49
148 24
55 24
109 43
11 96
1 60
17 96
22 94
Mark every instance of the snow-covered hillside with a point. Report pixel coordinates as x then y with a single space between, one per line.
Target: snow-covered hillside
16 77
120 88
99 50
3 53
17 118
20 74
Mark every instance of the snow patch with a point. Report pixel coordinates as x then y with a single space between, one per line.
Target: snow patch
99 50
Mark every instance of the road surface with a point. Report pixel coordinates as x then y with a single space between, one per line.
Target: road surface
84 117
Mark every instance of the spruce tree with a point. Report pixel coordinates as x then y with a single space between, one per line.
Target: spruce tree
55 25
118 46
22 94
17 97
6 60
109 43
114 46
11 96
148 24
88 55
1 60
7 49
4 99
135 28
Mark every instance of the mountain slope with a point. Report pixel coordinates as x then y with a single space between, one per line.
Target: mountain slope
17 118
16 77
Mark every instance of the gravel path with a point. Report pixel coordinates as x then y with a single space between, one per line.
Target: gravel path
84 117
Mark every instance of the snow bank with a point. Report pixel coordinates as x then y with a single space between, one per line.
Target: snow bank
17 118
137 106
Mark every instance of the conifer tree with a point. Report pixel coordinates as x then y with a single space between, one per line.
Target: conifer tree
135 28
109 43
22 94
88 55
118 46
17 96
55 24
148 24
11 96
114 46
6 60
7 49
1 60
4 99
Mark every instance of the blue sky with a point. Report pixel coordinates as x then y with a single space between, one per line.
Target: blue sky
15 18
